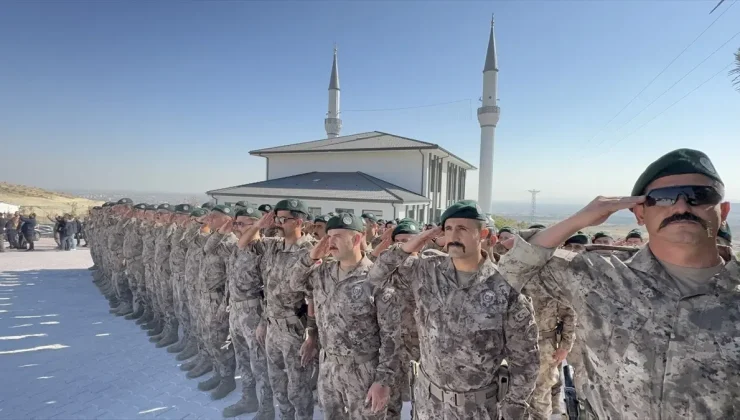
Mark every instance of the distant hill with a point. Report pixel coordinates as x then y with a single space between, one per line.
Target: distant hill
44 202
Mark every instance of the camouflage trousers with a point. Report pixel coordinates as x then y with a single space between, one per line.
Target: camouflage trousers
216 323
557 392
194 302
343 385
409 352
180 301
291 383
541 400
250 356
135 275
164 293
120 281
428 407
149 287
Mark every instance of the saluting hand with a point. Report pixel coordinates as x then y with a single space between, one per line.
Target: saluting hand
321 249
597 211
416 243
226 227
267 220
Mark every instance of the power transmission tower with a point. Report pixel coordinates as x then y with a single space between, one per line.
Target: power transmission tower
533 210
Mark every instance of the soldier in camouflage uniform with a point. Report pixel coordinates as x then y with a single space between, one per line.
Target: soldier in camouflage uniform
285 313
469 320
372 238
134 263
115 247
358 324
151 319
212 280
244 287
660 330
273 231
165 297
177 268
103 275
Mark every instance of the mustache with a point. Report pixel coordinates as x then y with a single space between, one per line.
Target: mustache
456 244
682 217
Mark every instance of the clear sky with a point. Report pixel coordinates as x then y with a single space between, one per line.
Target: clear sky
171 96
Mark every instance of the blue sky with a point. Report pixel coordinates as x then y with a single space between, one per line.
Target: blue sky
170 96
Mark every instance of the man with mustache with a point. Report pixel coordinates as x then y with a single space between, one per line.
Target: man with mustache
290 359
469 320
660 330
357 322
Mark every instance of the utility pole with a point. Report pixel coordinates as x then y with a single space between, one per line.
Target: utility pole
533 210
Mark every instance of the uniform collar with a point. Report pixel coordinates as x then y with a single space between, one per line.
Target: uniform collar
485 270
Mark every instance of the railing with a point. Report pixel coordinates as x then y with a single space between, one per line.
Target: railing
487 109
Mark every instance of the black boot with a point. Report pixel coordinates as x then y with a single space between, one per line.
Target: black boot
190 351
188 366
210 383
169 338
224 388
204 367
248 404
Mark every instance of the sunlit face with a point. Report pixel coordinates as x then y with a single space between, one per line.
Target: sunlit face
342 243
706 218
574 247
319 230
241 224
633 241
371 228
286 223
403 237
604 241
463 236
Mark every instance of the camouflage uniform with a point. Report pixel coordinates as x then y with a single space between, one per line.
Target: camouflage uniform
361 341
118 275
132 252
178 251
162 251
465 333
212 279
194 240
548 312
245 313
147 253
644 351
290 381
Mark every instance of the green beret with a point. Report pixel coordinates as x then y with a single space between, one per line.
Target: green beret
126 201
579 238
309 218
164 207
725 232
140 206
465 209
343 221
405 226
198 212
324 218
537 226
97 207
241 204
224 209
265 208
602 234
207 206
151 207
291 204
634 233
183 208
677 162
249 211
370 216
108 204
507 229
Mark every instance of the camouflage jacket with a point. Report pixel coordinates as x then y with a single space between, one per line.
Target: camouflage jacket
549 312
466 332
132 244
243 276
194 240
643 350
115 240
216 252
162 248
177 251
353 317
275 263
148 241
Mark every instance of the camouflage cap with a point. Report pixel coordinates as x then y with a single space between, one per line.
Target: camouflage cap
198 212
408 226
579 238
224 209
250 212
634 233
725 232
183 208
126 201
465 209
207 205
140 206
602 234
345 221
291 204
164 207
265 208
677 162
370 216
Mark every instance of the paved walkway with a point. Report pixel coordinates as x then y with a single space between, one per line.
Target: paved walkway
62 355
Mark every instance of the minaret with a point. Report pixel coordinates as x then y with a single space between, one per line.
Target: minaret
332 123
488 115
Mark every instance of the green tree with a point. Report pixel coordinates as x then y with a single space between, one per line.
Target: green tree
501 221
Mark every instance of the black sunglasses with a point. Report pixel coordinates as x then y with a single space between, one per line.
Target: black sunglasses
695 195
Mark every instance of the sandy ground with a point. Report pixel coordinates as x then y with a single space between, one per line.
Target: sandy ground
62 355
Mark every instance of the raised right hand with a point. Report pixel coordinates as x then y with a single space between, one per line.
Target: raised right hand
267 220
320 250
597 211
416 243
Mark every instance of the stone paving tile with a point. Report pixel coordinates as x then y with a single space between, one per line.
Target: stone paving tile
89 364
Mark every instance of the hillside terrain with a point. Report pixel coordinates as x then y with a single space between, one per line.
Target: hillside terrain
43 202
